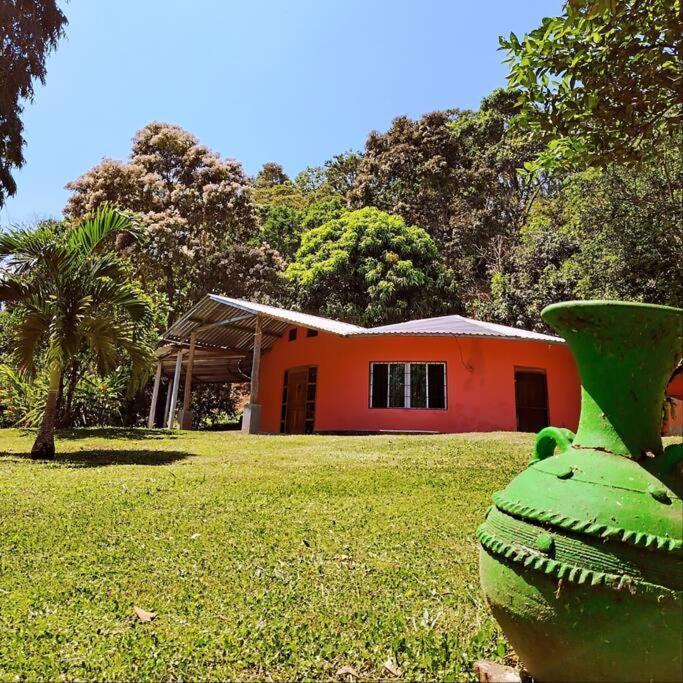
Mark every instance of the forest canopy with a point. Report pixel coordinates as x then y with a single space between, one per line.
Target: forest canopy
566 184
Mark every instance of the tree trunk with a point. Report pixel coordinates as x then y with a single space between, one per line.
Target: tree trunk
65 415
44 446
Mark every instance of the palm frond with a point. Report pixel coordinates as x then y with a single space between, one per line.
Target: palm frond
104 336
33 328
14 289
141 358
118 295
107 220
108 265
23 248
25 241
68 314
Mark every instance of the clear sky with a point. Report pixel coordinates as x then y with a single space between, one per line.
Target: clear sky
292 81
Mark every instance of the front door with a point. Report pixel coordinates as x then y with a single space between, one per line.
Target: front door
531 395
297 387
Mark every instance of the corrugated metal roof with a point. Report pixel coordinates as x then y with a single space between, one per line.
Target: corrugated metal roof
226 323
222 322
459 326
293 317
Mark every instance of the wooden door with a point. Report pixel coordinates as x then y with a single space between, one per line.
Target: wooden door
297 386
531 395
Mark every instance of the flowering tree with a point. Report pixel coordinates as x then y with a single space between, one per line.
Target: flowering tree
197 212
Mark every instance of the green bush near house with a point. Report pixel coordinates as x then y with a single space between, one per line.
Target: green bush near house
282 557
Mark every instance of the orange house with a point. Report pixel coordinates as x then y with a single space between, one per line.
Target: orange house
311 374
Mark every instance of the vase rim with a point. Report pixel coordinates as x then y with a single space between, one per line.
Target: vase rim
608 303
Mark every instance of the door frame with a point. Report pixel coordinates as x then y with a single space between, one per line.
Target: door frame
284 406
538 371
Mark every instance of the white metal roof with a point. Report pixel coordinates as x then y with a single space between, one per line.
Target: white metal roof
458 326
315 322
221 322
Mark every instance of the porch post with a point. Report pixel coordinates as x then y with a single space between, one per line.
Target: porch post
174 390
252 412
155 397
186 414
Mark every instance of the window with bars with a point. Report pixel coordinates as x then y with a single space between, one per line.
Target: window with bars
408 385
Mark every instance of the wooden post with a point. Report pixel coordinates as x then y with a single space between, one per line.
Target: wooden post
186 416
174 390
256 362
252 412
155 397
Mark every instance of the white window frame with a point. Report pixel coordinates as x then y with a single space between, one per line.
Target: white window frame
406 384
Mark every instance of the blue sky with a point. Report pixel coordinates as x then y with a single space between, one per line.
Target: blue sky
293 81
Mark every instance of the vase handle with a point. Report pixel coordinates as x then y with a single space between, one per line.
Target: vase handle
549 440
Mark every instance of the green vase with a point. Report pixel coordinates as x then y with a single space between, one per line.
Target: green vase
582 553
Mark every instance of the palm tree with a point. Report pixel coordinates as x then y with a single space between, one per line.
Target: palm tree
72 294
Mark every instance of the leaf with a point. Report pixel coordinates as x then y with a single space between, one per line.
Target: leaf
144 616
393 668
347 671
500 649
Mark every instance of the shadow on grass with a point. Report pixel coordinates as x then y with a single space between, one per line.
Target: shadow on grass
122 433
99 458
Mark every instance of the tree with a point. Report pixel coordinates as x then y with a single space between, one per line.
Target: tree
325 209
197 212
271 175
492 199
601 82
281 230
454 173
335 177
29 31
410 171
272 187
607 234
72 294
370 268
290 208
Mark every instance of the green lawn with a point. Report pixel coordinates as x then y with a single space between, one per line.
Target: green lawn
263 557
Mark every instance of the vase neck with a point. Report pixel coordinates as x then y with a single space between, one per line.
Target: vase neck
625 354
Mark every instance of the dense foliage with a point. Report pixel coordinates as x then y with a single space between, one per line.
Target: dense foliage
601 82
454 173
613 233
370 268
92 400
29 31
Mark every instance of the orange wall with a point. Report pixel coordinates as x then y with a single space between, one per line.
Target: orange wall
480 397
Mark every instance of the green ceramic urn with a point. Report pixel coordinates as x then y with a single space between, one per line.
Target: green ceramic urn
582 553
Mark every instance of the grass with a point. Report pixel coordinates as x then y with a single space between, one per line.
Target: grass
263 557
